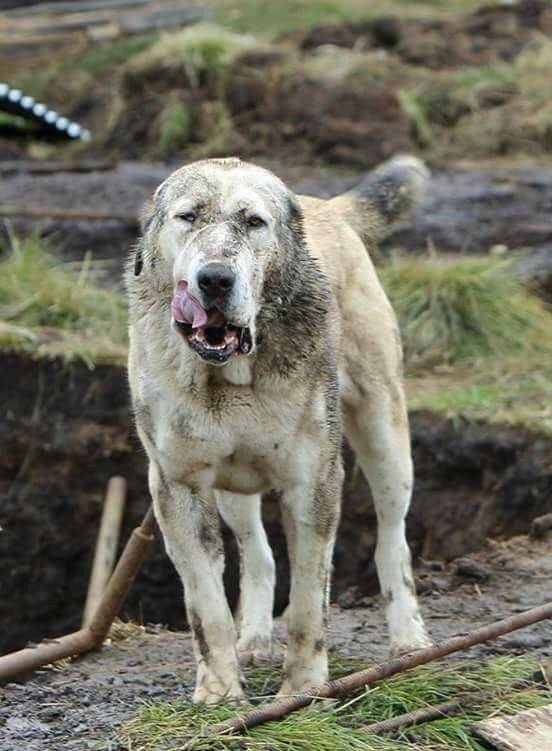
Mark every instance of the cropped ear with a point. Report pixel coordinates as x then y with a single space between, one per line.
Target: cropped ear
146 218
295 220
149 214
138 260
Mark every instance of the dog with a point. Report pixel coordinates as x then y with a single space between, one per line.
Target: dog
259 333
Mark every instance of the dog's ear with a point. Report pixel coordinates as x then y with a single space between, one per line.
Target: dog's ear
138 260
146 218
149 214
295 221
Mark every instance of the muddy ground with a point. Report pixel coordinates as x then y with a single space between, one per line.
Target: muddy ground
81 706
67 430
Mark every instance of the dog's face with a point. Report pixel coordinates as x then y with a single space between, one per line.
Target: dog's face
220 226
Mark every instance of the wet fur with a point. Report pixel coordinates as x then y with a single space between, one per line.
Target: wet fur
326 360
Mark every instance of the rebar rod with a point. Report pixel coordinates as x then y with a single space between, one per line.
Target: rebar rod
348 683
92 635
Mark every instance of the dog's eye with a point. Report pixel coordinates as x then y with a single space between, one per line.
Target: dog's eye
189 216
255 221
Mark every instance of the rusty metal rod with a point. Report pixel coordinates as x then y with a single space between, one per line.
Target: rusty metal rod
416 717
92 635
366 677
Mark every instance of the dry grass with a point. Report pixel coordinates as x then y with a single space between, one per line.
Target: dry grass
54 309
477 343
198 51
483 112
464 310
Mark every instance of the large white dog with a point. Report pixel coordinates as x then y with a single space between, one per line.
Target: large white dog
258 333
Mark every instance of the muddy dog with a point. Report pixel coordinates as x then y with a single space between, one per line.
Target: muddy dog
258 333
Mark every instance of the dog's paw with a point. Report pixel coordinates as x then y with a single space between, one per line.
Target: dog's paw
211 690
258 650
297 681
403 647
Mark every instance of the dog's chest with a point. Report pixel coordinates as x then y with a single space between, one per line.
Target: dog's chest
232 441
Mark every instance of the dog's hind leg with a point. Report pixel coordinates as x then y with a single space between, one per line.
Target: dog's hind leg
189 522
377 429
242 513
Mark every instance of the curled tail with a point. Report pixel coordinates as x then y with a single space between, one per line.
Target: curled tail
383 196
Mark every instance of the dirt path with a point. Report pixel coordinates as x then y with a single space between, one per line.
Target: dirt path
81 706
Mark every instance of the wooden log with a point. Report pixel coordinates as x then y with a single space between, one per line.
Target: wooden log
106 545
73 6
530 730
36 212
27 167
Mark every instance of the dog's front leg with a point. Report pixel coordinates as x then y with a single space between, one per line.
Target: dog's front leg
190 525
310 515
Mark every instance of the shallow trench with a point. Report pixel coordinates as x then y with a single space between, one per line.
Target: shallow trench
65 430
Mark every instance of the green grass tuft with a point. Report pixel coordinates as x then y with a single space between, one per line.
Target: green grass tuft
52 308
463 310
175 120
338 727
200 50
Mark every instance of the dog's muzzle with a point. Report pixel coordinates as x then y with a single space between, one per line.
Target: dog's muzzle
206 330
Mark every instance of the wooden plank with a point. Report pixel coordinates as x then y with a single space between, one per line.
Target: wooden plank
530 730
149 16
72 6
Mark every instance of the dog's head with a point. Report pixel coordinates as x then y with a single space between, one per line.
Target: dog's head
221 229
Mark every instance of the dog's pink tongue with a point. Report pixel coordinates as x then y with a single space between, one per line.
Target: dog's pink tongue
186 309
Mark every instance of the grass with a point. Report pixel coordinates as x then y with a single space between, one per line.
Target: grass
94 62
464 310
54 309
483 111
174 127
269 20
178 725
478 344
512 390
205 49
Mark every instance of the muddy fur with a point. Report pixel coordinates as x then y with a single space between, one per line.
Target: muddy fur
325 358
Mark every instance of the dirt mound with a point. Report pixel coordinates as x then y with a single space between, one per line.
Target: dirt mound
264 106
339 123
494 32
472 481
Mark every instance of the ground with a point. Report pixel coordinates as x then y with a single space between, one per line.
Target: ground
319 92
82 705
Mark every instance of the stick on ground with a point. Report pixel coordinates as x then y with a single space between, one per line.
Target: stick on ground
416 717
106 545
366 677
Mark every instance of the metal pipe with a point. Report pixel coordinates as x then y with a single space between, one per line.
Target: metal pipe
93 635
348 683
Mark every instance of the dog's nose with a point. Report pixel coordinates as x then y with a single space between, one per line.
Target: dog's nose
215 280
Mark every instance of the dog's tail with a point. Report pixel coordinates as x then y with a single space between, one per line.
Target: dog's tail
383 197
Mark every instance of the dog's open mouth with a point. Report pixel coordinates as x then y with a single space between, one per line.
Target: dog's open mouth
216 343
208 332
